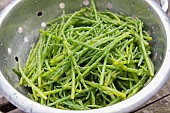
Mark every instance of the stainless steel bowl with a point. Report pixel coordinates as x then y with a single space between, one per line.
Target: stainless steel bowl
19 24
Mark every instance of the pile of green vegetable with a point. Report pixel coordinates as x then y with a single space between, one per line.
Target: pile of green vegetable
88 59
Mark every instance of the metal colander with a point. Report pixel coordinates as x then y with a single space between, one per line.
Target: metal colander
19 25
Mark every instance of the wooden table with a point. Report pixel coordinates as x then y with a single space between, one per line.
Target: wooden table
160 103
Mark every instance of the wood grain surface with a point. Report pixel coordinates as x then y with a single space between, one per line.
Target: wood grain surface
160 103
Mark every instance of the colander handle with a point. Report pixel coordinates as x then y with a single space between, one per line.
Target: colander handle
164 4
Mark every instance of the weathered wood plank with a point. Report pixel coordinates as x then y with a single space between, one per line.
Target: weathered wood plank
161 106
3 3
16 111
3 100
163 92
